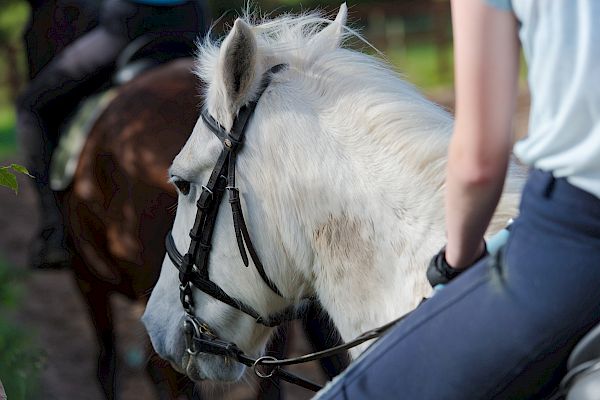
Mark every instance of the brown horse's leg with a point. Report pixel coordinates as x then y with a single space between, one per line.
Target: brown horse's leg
97 300
270 389
322 334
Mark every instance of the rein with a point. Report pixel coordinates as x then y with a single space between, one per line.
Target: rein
199 339
193 266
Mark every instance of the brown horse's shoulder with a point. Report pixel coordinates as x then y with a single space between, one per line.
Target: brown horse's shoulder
150 120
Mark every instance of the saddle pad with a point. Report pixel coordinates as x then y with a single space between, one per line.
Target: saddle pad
66 156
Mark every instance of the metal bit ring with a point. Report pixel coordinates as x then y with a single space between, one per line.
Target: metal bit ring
258 363
190 330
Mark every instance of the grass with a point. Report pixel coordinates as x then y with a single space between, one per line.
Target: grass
8 141
20 360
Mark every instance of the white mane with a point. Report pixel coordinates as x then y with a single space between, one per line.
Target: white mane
292 40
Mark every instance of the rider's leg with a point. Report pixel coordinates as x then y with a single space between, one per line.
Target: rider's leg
503 329
53 25
76 72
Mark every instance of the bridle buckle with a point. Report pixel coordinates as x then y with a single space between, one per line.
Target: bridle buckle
204 188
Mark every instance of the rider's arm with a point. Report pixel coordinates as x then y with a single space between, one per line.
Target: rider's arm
486 51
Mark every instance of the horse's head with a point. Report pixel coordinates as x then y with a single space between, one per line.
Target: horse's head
237 72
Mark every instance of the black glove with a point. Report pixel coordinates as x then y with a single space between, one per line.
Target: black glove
440 272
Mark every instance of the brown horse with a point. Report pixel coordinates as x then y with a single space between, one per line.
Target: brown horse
119 206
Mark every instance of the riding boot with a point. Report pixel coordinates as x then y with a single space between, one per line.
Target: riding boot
48 249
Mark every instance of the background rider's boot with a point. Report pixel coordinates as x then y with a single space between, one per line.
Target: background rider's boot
49 249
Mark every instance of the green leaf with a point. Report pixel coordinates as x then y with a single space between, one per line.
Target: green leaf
8 179
21 169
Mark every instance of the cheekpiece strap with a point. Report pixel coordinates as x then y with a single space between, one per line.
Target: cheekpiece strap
193 266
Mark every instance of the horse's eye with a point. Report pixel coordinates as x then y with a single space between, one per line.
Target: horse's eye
183 186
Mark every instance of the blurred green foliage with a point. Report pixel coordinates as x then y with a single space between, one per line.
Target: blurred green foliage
418 60
418 63
20 357
235 7
416 57
218 7
7 131
13 15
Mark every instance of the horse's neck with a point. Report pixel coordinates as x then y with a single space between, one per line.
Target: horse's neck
368 196
367 277
370 257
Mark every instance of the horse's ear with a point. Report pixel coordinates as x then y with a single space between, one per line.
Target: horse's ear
331 36
238 62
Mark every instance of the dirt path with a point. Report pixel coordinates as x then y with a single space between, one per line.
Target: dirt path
53 311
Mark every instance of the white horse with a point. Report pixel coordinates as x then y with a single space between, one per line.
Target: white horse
341 177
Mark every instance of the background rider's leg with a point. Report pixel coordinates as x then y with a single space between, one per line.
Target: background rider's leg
76 72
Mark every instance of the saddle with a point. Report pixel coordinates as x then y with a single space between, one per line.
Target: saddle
144 53
582 382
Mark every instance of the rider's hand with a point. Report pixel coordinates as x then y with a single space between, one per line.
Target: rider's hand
440 272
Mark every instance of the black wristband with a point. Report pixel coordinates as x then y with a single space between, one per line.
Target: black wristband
440 272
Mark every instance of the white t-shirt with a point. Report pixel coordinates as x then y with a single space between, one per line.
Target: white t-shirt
561 42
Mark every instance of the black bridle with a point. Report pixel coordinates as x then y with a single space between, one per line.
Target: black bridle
193 266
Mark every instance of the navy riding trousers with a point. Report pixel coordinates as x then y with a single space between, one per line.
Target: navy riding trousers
504 328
